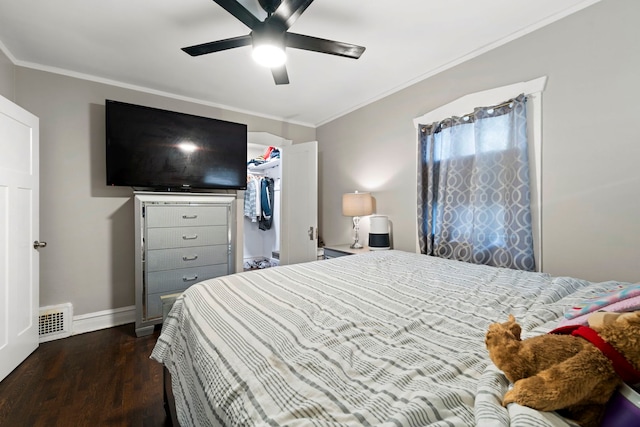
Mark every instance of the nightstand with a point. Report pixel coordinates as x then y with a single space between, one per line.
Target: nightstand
342 250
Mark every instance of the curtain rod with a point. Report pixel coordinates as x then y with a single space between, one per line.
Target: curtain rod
424 127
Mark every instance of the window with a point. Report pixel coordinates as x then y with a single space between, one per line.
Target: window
474 198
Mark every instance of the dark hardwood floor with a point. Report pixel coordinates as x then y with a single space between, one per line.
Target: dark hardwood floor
102 378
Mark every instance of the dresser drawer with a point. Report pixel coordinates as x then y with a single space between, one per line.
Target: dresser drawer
182 237
176 280
185 216
170 259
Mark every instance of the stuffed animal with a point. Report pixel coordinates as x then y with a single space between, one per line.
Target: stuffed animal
574 370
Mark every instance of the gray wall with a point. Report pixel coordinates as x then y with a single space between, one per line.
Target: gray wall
591 142
89 226
7 73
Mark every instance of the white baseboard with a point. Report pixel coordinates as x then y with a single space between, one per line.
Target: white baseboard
103 319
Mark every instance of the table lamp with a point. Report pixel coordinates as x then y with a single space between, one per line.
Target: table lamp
357 205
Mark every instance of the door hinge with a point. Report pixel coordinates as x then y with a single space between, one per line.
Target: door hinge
313 233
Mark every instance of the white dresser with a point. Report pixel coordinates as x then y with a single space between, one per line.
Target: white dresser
181 239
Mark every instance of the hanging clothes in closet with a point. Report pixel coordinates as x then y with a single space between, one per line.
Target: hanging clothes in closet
259 196
266 202
253 198
258 200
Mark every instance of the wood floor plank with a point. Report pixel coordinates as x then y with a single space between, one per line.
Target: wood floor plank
102 378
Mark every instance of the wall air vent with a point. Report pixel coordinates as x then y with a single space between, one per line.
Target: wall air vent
55 322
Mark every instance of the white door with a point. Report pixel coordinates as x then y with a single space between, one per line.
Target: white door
299 205
19 219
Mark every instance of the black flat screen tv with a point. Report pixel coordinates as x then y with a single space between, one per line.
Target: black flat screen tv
149 148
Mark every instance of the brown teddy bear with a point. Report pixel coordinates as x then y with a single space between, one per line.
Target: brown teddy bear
568 373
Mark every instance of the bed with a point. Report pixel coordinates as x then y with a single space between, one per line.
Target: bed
386 338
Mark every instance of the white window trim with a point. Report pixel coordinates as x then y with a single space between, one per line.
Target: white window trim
533 90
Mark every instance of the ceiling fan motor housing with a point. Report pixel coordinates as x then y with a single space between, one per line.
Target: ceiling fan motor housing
269 6
272 34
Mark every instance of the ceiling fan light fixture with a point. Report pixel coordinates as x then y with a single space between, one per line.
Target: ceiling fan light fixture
269 55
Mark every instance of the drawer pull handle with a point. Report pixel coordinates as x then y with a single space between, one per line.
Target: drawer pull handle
189 216
190 258
192 237
189 279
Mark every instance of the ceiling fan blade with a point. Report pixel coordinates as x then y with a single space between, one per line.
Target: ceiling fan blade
239 11
280 75
299 41
217 46
289 11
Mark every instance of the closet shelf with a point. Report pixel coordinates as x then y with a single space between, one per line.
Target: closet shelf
264 166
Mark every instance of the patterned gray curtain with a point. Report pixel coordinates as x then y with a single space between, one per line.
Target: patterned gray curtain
473 187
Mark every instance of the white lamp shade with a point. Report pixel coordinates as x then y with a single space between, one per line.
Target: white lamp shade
357 204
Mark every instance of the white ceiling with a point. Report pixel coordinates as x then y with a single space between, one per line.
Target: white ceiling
136 44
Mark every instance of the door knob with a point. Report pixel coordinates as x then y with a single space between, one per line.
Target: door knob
38 245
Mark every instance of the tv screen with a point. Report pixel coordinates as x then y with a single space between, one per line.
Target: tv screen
165 150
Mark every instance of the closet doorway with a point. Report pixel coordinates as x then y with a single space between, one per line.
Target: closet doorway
285 176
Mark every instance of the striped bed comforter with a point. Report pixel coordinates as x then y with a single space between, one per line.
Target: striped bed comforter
385 338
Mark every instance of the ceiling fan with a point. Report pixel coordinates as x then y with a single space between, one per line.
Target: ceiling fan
271 36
